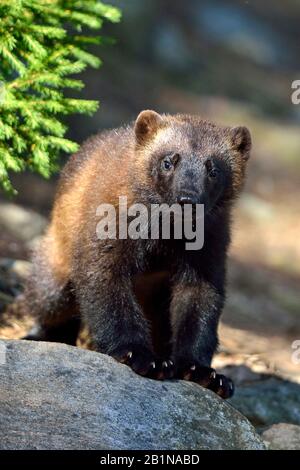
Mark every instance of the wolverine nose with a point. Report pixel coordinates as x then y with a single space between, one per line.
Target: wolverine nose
187 199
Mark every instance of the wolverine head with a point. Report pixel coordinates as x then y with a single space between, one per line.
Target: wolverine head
186 160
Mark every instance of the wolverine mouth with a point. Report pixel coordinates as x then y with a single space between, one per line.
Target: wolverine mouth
191 198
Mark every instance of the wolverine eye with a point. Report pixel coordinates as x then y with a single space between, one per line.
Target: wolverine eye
167 165
213 173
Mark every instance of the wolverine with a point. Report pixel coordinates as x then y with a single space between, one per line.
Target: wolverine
150 303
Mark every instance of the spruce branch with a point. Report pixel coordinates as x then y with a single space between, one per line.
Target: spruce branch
42 46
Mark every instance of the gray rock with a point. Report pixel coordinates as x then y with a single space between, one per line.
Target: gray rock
282 437
269 401
54 396
21 223
13 273
17 269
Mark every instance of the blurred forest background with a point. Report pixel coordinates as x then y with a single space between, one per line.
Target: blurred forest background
232 62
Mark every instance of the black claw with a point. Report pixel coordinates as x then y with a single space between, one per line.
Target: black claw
208 378
166 370
222 386
140 359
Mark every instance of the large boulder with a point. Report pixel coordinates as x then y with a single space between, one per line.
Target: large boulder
54 396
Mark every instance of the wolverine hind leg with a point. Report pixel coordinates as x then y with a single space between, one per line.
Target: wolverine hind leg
50 300
63 333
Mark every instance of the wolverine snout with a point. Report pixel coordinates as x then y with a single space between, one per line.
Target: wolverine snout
191 198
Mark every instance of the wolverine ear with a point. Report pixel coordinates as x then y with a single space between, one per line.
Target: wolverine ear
241 141
146 124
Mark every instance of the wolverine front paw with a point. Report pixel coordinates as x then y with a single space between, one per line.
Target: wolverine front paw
208 378
140 359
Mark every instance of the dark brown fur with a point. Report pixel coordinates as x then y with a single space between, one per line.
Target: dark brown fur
144 301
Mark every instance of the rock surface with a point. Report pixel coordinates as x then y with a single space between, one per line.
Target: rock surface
54 396
282 437
269 401
12 277
21 223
